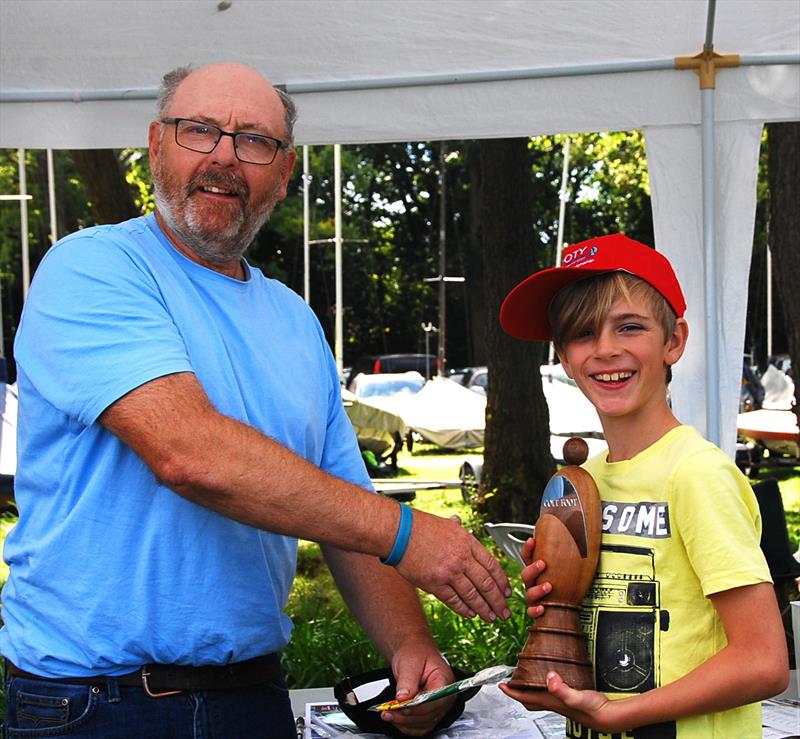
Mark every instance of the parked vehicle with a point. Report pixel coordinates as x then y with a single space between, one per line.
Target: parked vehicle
472 378
426 364
386 385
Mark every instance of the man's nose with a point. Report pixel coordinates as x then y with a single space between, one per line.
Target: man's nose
224 152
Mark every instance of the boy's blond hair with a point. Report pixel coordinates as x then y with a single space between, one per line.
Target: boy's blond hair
584 305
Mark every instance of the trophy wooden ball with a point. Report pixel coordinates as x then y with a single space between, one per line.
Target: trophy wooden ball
568 540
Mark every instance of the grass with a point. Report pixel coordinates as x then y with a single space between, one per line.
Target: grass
789 483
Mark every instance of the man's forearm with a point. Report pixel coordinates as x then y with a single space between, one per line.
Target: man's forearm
386 605
232 468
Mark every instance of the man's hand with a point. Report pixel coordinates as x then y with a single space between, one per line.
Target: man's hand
445 560
416 670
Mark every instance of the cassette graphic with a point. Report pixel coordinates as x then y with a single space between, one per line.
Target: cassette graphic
623 619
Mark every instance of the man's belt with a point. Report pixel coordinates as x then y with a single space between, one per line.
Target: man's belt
159 681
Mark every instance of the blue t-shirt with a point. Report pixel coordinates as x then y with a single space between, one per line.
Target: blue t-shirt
110 569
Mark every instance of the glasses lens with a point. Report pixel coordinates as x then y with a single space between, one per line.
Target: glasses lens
197 136
255 149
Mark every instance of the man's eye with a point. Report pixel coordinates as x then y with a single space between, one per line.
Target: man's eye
197 130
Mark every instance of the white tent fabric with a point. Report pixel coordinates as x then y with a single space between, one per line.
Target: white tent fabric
673 152
83 74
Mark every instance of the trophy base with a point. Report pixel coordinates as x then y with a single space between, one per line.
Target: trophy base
556 643
531 673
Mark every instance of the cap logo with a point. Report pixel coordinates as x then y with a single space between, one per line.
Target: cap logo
578 256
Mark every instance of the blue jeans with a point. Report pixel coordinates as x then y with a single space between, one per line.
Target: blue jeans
38 708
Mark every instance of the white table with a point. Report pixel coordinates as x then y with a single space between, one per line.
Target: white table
492 715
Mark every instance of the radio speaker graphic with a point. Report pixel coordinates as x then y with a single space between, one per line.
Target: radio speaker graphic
625 652
626 621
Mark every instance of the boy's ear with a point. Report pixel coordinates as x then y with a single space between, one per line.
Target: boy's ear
565 364
676 343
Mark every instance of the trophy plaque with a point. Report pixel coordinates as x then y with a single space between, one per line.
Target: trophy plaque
568 540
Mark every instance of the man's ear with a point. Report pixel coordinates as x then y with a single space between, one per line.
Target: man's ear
153 141
676 343
286 172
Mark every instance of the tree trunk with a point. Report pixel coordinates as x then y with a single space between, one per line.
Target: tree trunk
517 459
105 184
784 232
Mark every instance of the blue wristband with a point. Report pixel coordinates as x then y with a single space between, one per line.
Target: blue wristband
401 540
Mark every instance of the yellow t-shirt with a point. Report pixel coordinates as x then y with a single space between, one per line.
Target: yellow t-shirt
680 522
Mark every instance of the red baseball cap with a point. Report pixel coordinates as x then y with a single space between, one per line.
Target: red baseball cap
524 311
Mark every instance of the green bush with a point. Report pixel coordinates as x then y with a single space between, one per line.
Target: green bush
328 644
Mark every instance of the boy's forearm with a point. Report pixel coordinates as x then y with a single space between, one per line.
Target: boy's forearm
721 683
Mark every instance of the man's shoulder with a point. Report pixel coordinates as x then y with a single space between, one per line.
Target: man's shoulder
133 229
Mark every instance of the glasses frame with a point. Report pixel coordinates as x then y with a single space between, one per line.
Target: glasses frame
233 134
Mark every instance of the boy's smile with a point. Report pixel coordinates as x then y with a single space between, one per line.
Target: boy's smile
621 367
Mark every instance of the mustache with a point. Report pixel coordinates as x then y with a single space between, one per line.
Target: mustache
223 180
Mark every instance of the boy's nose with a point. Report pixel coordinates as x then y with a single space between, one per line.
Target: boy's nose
606 343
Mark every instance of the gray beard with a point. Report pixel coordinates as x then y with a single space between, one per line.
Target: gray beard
220 246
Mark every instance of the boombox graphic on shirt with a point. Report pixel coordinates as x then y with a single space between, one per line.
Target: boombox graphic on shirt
623 620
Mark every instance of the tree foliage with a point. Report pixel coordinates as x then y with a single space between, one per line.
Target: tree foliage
390 222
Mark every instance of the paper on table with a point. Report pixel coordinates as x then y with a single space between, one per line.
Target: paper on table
484 677
780 718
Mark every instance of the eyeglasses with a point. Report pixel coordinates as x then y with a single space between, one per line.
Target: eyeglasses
203 137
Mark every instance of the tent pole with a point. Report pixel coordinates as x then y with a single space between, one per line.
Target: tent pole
455 78
338 326
707 87
23 224
51 194
562 205
709 251
769 302
306 232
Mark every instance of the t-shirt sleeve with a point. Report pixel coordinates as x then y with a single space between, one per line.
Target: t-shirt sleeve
341 455
95 326
720 523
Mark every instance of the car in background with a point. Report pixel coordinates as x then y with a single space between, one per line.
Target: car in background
472 378
426 364
386 385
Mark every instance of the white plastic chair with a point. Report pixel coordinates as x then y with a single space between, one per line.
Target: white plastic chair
510 537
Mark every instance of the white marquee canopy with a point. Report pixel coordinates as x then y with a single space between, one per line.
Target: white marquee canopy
83 74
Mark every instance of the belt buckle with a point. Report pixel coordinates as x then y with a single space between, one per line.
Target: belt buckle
150 693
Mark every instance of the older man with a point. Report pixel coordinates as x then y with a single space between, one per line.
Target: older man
180 426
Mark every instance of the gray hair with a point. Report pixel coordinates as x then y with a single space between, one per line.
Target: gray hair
172 79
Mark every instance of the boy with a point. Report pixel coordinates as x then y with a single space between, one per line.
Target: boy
682 621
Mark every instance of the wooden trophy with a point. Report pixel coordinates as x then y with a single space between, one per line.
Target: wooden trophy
568 540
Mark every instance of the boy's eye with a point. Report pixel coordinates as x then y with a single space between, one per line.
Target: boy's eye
632 327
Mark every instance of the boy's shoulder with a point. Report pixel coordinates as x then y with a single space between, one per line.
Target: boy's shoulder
679 458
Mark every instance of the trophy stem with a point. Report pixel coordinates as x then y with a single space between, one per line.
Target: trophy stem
556 642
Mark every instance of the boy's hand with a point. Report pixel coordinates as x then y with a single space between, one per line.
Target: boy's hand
534 591
587 707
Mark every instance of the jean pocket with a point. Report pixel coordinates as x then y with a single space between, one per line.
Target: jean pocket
39 709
